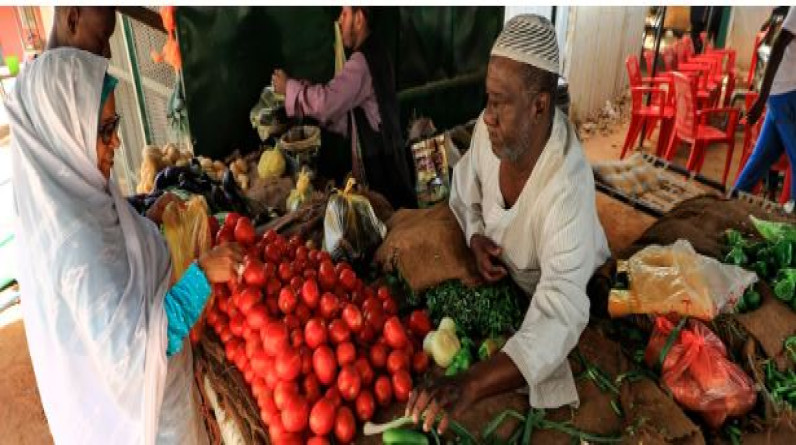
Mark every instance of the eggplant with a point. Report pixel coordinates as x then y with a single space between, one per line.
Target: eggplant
168 177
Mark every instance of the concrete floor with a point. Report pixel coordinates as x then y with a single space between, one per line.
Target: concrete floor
22 419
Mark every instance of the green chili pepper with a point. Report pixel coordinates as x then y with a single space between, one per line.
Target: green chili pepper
462 360
752 299
396 436
736 256
490 346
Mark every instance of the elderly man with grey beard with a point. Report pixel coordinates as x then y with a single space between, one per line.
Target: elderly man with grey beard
524 197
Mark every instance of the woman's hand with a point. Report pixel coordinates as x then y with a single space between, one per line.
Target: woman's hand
155 213
221 263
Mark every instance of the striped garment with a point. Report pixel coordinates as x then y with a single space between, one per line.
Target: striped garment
529 39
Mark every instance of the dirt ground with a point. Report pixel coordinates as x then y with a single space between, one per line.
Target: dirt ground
22 419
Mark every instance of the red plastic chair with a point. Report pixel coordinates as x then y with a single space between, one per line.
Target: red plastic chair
691 126
660 109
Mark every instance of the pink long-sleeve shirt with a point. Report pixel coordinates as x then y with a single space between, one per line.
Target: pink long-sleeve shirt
331 103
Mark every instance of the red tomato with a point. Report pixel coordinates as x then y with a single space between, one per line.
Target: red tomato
225 235
296 282
310 293
272 253
306 360
271 379
322 417
254 274
225 335
383 292
349 382
378 355
285 272
248 298
295 241
267 406
383 390
275 338
341 266
269 269
248 374
273 287
272 303
258 386
231 220
302 253
248 332
348 279
317 440
288 364
223 304
310 274
295 414
261 362
324 365
303 313
291 321
402 384
323 256
365 371
366 335
329 305
315 333
240 357
244 231
353 317
296 337
275 430
390 307
394 333
236 325
345 427
338 331
396 361
365 405
269 236
357 298
327 277
257 316
284 391
312 388
212 317
212 225
420 362
287 300
419 323
346 353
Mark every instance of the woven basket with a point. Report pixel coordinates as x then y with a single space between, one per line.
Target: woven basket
301 139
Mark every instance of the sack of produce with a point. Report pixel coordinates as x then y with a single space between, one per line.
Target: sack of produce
695 368
351 229
416 237
676 279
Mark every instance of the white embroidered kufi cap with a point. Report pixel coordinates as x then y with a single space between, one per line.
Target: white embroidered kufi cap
529 39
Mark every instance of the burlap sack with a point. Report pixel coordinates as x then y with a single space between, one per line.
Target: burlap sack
427 247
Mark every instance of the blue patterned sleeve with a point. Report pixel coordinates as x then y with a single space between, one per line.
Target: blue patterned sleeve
184 303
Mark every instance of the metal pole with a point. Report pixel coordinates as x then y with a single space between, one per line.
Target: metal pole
707 28
658 33
553 12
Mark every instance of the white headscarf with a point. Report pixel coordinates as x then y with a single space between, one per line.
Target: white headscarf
93 272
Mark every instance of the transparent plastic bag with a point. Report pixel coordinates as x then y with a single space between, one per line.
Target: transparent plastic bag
351 229
695 369
186 229
676 279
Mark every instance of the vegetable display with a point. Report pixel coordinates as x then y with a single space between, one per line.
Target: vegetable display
320 349
479 312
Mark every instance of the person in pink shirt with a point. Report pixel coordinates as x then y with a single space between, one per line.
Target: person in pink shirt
360 103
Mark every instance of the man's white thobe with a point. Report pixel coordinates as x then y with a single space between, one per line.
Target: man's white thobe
552 243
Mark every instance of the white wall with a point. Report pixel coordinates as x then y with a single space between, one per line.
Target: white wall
744 25
598 41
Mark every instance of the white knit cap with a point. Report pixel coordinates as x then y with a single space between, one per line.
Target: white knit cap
529 39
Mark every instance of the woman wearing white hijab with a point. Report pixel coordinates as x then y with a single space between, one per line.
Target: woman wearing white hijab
99 307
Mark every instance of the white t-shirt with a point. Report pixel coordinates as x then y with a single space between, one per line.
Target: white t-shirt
785 78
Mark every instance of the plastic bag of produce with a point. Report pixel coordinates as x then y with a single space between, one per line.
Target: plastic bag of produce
676 279
187 232
351 230
302 193
696 370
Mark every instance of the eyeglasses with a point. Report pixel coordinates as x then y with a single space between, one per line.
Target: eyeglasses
107 130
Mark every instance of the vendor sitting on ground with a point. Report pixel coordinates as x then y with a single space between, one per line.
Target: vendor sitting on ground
524 196
361 102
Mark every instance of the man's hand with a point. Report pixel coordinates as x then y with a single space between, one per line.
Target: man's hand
486 252
220 264
446 396
279 81
755 111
